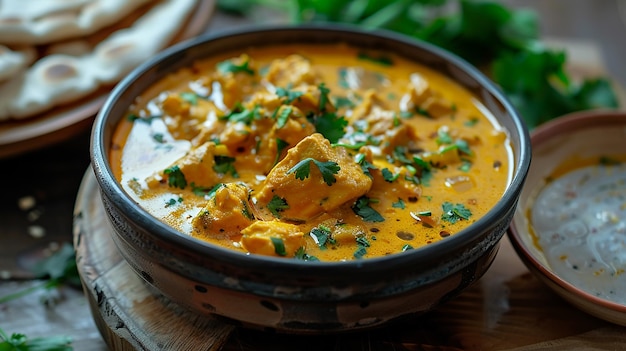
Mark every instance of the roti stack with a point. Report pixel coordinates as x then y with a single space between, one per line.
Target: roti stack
57 52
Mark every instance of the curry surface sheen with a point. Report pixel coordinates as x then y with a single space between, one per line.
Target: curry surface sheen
313 152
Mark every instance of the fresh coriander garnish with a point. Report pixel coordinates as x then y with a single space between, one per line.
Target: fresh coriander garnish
229 66
324 91
276 205
328 169
302 255
224 165
380 59
279 246
282 115
175 177
280 146
191 98
363 209
452 213
365 164
399 204
322 236
331 126
388 176
289 95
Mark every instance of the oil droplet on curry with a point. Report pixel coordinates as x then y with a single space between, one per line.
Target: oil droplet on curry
312 152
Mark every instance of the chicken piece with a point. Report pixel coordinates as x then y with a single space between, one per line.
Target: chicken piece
419 89
312 196
236 78
424 98
272 238
196 166
226 213
293 70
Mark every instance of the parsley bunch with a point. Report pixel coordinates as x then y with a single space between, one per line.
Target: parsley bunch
502 42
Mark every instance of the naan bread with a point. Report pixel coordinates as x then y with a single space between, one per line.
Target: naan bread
14 61
46 21
71 72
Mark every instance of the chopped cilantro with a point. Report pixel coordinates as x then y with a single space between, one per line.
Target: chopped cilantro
406 247
283 113
362 208
172 201
147 119
381 59
279 246
388 176
276 205
202 191
322 236
341 102
328 169
465 166
302 255
365 164
191 98
241 114
280 146
324 91
471 122
158 137
331 126
290 95
443 137
228 66
225 165
399 204
175 178
453 213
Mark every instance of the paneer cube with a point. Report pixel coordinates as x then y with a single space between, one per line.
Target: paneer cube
226 213
272 238
312 196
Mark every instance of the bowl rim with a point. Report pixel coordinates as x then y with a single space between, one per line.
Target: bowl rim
569 122
365 267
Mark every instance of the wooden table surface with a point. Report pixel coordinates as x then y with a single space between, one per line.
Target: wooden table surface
51 177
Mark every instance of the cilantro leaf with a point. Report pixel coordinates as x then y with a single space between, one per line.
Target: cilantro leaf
328 169
279 246
290 95
191 98
280 146
276 205
322 236
302 255
282 116
324 91
241 114
399 204
229 66
363 209
452 213
331 126
365 165
175 178
225 165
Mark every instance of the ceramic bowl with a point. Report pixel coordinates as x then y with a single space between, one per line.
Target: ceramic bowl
290 295
583 135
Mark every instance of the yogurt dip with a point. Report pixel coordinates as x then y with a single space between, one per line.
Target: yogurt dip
579 221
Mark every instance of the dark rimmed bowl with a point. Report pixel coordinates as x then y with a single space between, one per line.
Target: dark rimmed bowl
291 295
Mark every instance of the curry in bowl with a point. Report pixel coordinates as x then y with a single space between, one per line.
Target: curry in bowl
312 152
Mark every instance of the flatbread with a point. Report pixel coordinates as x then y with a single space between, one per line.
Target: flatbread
46 21
13 61
71 72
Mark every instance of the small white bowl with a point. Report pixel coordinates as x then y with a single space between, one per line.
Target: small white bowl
586 134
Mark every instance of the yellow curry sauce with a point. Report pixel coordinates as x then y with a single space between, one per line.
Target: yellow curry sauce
318 152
